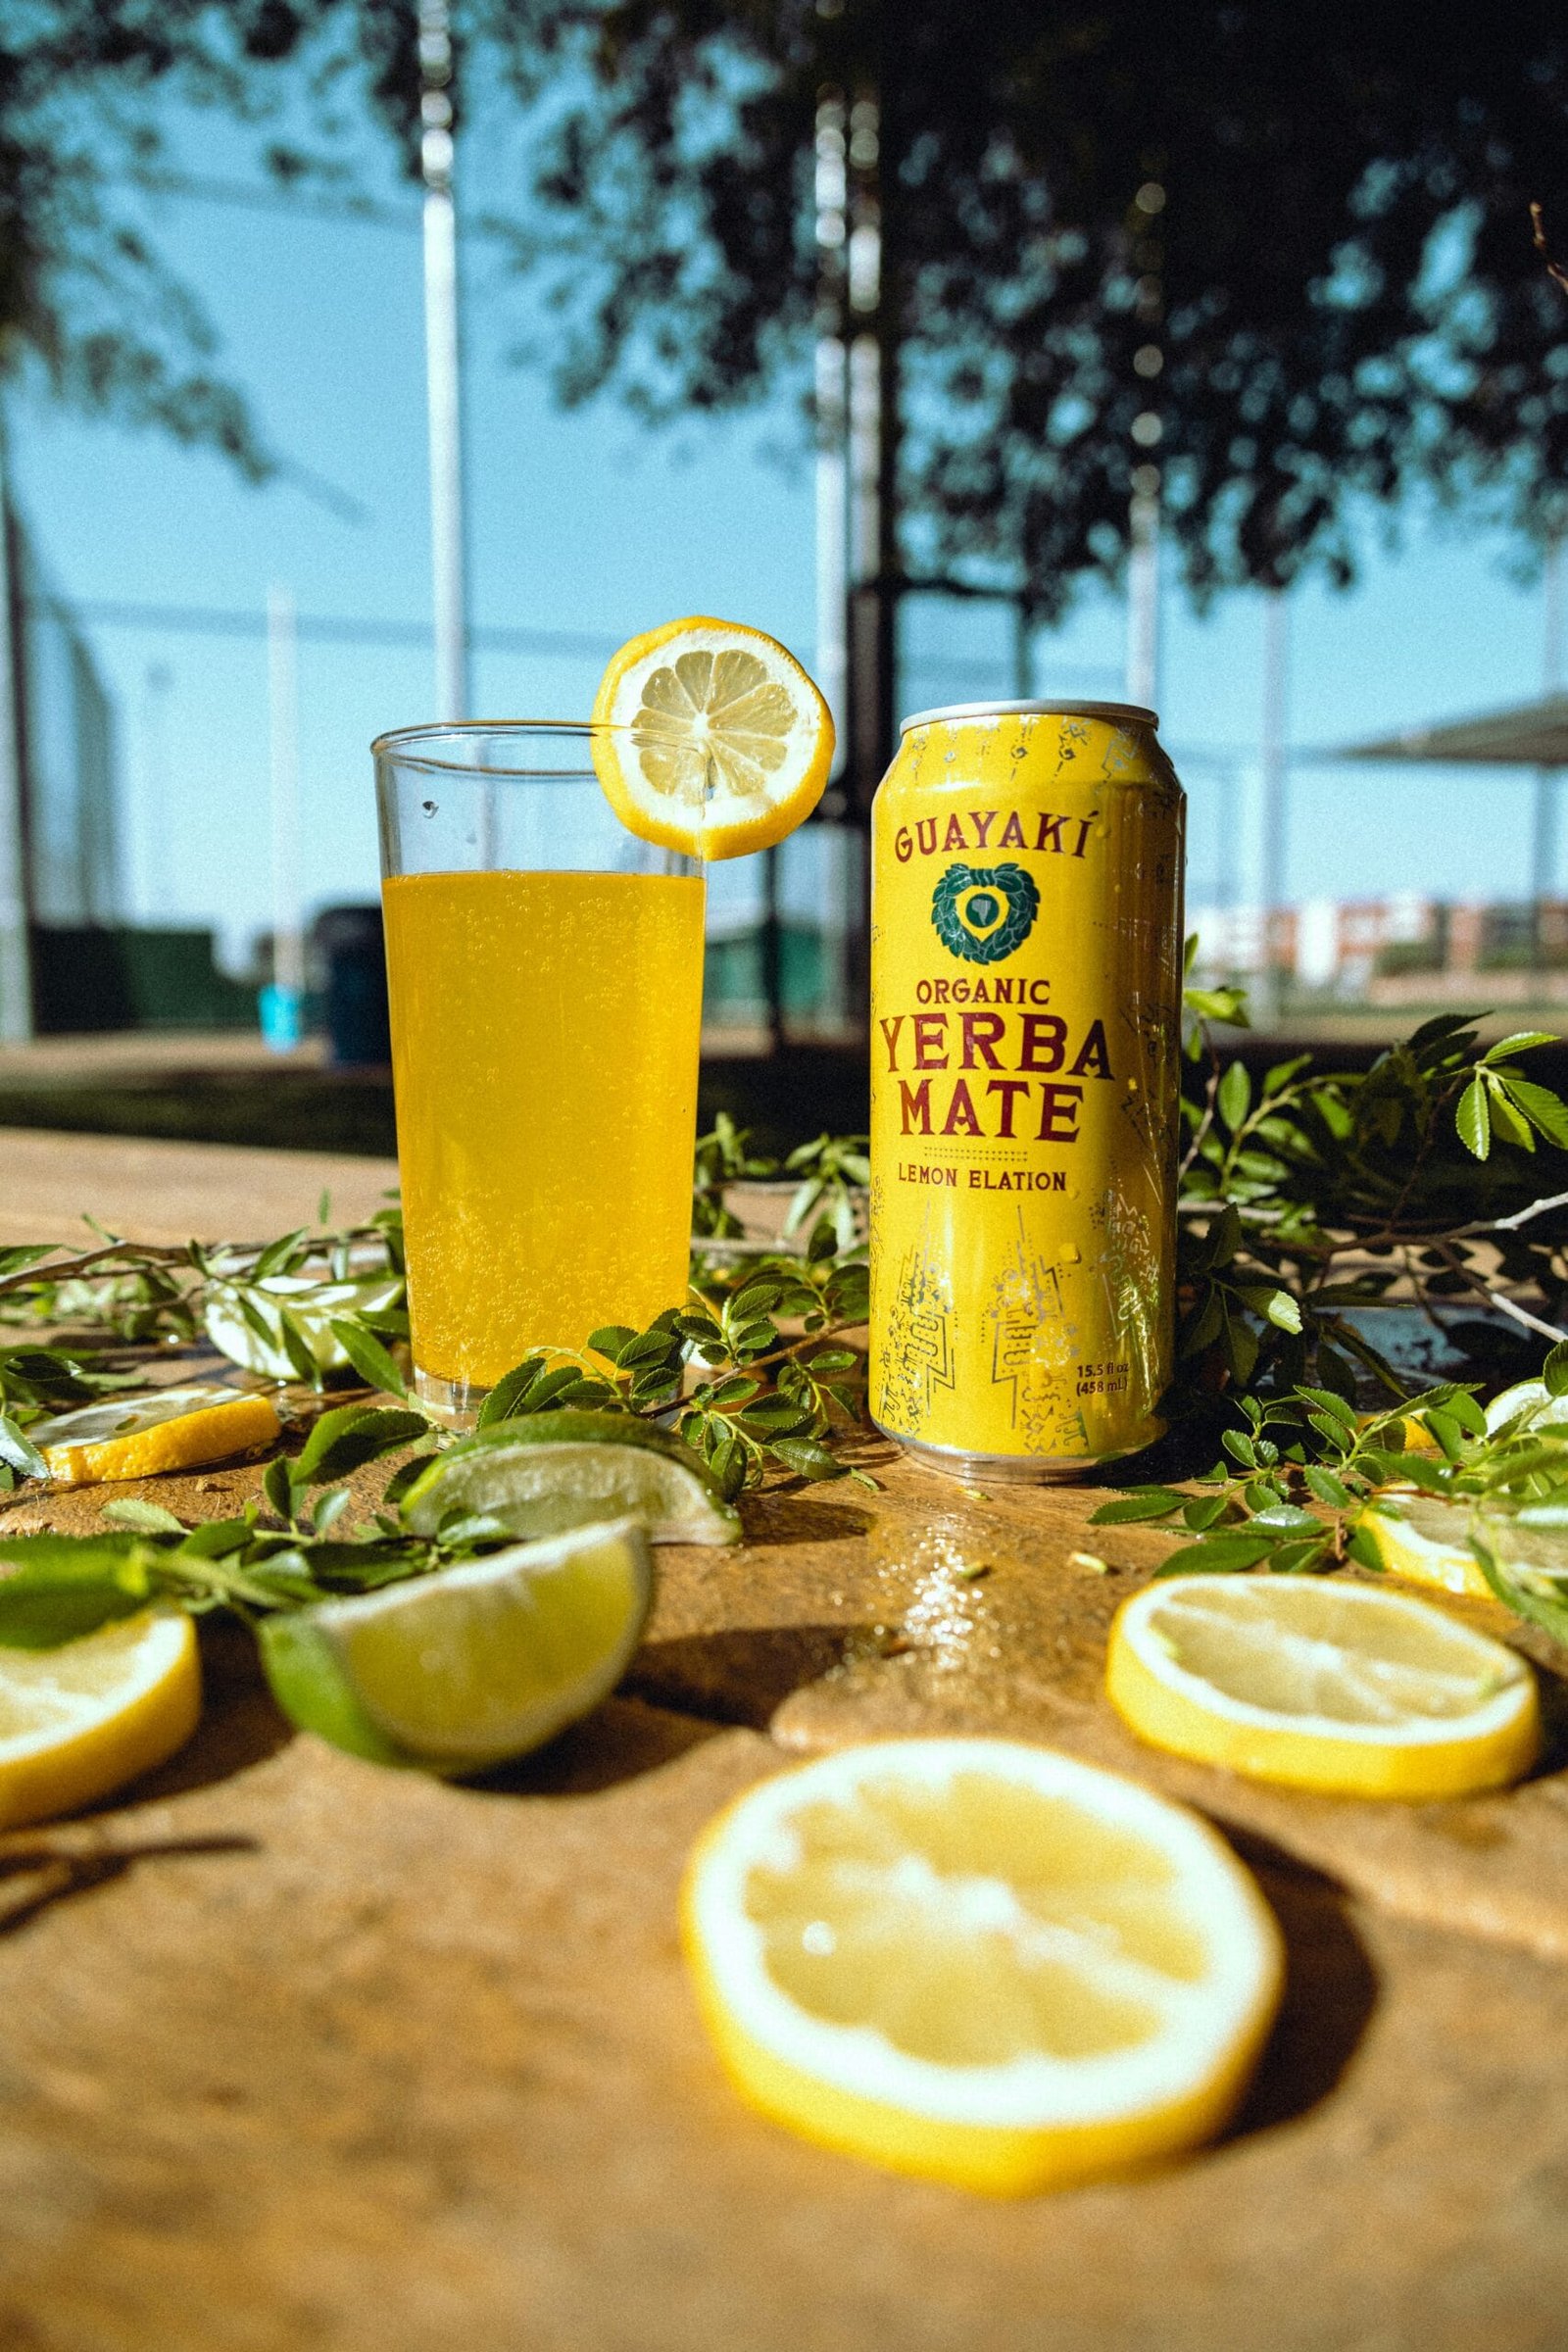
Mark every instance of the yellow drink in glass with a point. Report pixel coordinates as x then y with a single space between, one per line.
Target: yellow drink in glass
545 973
544 1042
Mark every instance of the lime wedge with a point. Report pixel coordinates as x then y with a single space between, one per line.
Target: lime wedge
550 1471
471 1665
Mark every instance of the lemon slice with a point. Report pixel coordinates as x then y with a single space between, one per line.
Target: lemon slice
721 743
166 1429
979 1961
1322 1684
1426 1539
469 1666
77 1721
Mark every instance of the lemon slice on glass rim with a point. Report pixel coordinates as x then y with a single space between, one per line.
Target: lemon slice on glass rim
1316 1683
979 1961
714 740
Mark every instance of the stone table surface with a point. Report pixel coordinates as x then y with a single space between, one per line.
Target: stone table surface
301 2053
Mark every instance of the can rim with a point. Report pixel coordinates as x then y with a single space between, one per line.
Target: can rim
1133 713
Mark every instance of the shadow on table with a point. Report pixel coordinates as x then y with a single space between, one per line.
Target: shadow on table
241 1723
1331 1987
792 1517
620 1740
742 1675
35 1876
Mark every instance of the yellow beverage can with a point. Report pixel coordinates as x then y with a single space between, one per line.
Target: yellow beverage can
1026 965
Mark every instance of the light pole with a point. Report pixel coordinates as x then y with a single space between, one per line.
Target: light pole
16 963
282 1004
1544 827
443 365
1275 782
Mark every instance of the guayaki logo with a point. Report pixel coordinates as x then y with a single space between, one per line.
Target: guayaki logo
982 913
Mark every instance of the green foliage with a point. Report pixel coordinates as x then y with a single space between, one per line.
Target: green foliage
1300 1473
1337 300
1315 1197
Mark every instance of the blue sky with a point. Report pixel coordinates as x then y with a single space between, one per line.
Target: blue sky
584 521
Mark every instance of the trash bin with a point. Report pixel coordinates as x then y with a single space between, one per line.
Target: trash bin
351 956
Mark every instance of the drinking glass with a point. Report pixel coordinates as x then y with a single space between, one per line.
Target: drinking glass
545 969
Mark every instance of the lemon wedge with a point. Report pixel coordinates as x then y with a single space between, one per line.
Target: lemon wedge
166 1429
1426 1539
979 1961
716 742
77 1721
1322 1684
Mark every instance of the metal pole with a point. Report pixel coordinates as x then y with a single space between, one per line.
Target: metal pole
1142 592
1275 782
16 962
1543 813
1023 653
283 1004
443 367
1146 253
156 893
832 418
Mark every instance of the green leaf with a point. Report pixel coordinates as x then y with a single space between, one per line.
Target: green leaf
653 1347
1554 1371
1540 1106
509 1391
147 1518
329 1509
1333 1405
20 1452
777 1416
1328 1488
806 1459
609 1339
1235 1095
18 1259
275 1257
1299 1558
402 1478
1144 1502
1276 1306
1473 1119
297 1349
354 1434
1520 1041
368 1357
55 1589
278 1488
1510 1124
1288 1518
1222 1553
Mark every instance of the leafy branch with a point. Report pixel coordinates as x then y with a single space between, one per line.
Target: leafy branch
1305 1478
